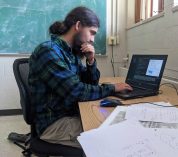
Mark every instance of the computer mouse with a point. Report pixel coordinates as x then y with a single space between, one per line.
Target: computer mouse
108 102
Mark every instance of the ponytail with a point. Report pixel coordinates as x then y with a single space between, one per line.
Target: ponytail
58 28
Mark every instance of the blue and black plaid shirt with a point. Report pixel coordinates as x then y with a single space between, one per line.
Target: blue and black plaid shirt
58 81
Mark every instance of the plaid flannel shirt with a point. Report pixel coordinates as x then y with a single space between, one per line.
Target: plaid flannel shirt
59 80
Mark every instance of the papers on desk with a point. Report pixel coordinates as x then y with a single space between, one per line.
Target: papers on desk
117 116
159 114
124 113
128 138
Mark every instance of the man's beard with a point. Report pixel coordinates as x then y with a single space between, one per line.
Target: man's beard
77 43
76 46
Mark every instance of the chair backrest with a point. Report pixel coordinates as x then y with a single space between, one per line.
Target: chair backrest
21 71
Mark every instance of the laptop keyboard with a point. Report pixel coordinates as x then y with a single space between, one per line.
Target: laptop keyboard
137 91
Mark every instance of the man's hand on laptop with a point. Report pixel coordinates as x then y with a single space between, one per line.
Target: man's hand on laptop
119 87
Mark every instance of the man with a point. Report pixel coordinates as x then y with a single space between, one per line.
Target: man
59 81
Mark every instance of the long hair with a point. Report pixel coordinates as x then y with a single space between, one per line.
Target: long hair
86 17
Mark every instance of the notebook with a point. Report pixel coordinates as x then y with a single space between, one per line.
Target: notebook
144 76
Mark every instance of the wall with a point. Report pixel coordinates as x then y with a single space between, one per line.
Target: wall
9 96
157 36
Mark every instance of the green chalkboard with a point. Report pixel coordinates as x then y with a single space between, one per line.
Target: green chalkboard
24 23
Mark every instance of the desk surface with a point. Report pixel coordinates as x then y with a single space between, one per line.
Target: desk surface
92 115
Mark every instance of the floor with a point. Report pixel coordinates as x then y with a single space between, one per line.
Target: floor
11 124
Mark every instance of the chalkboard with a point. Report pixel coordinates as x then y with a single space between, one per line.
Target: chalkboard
24 23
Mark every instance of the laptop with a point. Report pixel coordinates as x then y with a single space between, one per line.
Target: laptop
144 76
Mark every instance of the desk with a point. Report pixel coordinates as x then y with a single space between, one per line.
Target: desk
92 115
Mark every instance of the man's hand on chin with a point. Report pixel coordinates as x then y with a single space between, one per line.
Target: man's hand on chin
89 52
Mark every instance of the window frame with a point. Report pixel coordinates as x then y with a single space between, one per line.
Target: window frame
139 12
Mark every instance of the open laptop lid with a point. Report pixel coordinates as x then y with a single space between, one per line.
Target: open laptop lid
146 71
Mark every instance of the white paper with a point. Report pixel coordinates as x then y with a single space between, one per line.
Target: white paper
117 115
127 139
158 114
168 136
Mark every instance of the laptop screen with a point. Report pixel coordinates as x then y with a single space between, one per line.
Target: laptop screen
146 71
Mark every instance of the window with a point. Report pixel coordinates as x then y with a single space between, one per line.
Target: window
145 9
175 2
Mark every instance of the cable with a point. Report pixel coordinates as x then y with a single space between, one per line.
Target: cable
95 114
172 86
112 58
161 105
151 104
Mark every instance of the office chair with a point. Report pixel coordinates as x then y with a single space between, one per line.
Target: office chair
36 146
